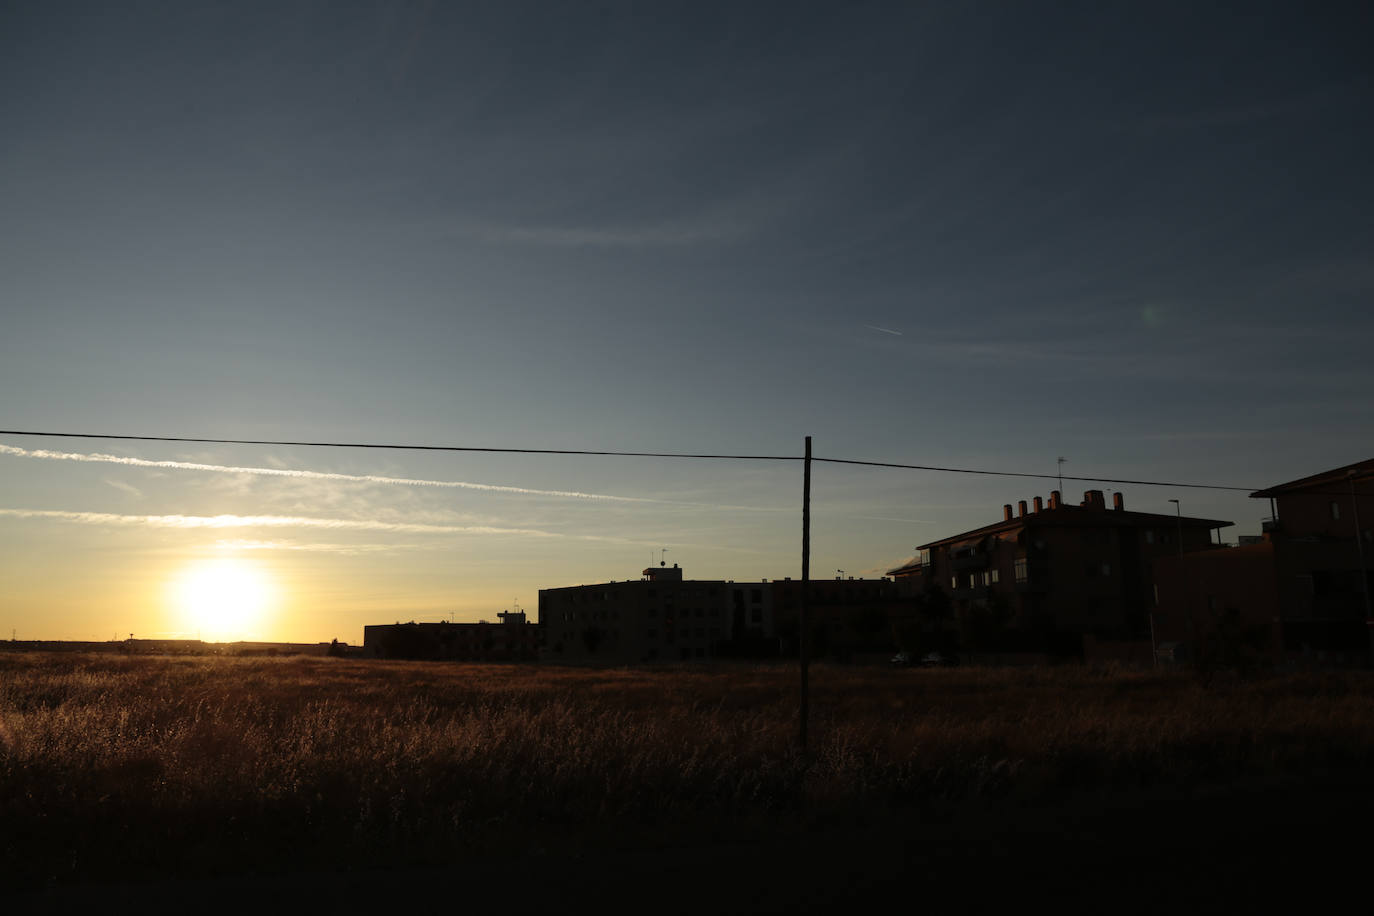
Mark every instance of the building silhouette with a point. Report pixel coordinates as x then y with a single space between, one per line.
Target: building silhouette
663 617
513 639
1048 575
1301 591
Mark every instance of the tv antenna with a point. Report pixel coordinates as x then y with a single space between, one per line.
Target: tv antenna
661 560
1061 459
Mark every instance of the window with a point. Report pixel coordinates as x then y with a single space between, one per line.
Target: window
1336 511
996 575
1021 575
756 595
953 581
987 578
1149 537
1106 569
756 615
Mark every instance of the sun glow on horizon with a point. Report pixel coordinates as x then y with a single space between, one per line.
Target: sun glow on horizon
224 599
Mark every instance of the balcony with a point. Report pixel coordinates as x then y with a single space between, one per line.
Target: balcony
969 561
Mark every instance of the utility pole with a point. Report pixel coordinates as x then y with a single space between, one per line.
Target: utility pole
803 623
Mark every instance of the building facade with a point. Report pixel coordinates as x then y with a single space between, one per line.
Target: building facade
663 617
1070 570
659 617
1302 591
513 639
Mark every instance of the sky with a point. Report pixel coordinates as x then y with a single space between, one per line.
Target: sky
974 235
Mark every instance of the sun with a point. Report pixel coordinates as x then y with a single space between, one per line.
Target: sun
223 599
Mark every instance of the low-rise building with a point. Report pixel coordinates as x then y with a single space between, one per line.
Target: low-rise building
656 618
1301 591
1057 570
663 617
513 639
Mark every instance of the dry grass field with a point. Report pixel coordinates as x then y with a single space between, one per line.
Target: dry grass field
134 768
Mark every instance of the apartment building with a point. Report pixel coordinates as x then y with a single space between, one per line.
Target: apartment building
1301 591
512 639
1057 568
659 617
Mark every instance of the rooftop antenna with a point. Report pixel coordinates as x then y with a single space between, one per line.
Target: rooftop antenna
661 561
841 572
1061 459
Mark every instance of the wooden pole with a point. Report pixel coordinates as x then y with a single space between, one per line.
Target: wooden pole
803 621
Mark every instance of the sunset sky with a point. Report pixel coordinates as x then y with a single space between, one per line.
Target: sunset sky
955 234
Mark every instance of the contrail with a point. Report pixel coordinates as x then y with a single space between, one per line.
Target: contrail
101 458
308 475
336 524
362 478
275 521
874 327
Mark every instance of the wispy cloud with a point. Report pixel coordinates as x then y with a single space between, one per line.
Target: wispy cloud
214 522
661 235
277 521
295 473
126 487
97 457
311 547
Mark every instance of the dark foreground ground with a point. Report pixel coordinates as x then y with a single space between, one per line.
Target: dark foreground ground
1221 852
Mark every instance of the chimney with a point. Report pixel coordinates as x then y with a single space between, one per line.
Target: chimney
1039 504
1006 512
1093 499
1118 503
1054 499
1021 507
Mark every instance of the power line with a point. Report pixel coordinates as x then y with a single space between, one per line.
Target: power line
1143 483
611 453
390 445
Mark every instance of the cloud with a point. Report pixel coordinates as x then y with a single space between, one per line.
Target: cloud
100 458
97 457
312 547
126 487
217 522
659 235
277 521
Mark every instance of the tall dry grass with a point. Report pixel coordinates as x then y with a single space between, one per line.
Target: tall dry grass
115 765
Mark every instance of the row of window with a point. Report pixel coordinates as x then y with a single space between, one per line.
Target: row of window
969 580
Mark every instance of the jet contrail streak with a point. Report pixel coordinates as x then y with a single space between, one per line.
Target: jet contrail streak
874 327
101 458
307 475
295 521
273 521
